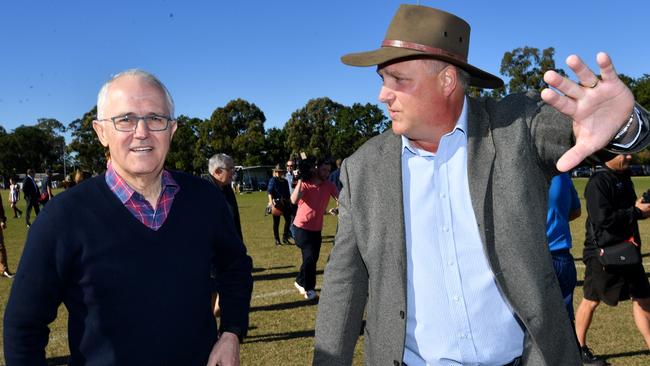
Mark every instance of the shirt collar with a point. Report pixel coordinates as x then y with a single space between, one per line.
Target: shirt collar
124 192
460 127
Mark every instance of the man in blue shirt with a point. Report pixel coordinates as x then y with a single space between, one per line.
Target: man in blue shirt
563 206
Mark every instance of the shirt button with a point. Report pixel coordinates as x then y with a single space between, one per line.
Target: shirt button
445 229
456 298
443 195
401 314
451 263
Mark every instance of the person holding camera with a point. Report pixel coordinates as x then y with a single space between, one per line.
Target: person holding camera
613 212
279 204
312 193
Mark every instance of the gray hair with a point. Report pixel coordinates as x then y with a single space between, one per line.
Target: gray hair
436 66
144 75
219 161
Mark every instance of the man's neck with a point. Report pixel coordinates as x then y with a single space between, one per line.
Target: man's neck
149 186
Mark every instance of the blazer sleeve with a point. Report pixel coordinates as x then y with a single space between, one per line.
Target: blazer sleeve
344 292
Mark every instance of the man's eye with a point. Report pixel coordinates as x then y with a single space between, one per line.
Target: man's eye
155 118
125 119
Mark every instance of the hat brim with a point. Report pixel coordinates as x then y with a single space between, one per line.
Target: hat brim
383 55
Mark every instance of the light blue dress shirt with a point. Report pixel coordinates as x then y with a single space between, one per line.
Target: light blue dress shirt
456 313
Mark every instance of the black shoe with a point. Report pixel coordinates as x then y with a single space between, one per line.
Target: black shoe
285 241
588 357
277 242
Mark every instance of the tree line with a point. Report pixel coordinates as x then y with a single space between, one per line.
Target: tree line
321 128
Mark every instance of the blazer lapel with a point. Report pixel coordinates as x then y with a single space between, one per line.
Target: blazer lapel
389 174
480 161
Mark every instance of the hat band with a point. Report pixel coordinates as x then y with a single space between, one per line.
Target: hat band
423 48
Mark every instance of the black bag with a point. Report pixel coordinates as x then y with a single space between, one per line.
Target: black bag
621 254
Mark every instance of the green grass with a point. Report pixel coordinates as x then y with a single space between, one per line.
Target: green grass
282 323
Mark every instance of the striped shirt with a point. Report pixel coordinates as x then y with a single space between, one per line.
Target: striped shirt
137 204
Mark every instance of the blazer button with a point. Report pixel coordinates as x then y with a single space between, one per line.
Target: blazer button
401 314
396 363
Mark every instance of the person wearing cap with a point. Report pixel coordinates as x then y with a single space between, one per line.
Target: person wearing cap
613 213
280 199
446 259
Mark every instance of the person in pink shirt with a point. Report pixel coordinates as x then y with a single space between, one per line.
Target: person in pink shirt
312 196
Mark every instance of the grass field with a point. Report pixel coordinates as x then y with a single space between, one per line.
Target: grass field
282 322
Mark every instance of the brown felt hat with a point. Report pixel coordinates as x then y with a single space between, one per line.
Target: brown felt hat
422 32
278 168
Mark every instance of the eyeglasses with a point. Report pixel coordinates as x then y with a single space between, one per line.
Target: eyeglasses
289 166
129 123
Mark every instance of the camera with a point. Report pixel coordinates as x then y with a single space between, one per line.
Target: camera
646 197
305 166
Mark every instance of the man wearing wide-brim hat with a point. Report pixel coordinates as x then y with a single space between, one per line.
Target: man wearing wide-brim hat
448 258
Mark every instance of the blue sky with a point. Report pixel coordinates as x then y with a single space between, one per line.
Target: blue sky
55 54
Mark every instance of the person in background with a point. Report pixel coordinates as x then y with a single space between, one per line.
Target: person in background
312 196
279 197
47 187
132 266
32 195
613 212
14 197
221 168
4 265
563 206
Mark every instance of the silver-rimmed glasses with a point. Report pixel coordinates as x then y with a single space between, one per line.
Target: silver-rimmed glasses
129 122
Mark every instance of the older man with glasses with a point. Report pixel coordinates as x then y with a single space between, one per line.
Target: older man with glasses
129 255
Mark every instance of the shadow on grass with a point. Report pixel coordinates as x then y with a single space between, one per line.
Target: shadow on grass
284 306
278 276
279 336
626 354
58 361
328 239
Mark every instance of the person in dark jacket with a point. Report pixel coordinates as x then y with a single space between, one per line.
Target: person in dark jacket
613 212
280 204
32 195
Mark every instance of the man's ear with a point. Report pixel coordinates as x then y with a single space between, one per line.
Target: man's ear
449 80
101 132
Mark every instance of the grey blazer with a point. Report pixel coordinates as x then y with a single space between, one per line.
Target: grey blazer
512 149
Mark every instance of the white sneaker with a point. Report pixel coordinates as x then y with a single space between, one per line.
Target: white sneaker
311 295
300 288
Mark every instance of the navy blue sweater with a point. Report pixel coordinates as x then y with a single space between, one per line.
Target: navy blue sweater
134 296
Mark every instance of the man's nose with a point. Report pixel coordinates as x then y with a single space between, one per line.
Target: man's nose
386 95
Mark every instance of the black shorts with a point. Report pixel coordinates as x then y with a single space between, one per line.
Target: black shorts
614 284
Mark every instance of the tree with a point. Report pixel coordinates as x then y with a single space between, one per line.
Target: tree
236 129
641 91
276 151
28 147
311 128
54 130
526 67
181 152
90 154
355 125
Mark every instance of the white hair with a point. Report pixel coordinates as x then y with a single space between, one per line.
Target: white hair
219 161
144 75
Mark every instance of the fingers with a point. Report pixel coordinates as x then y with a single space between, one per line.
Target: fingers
572 158
586 77
607 71
563 104
564 85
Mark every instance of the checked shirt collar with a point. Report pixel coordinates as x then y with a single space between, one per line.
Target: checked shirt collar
137 204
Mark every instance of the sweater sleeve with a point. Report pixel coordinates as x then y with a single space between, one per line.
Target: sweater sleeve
36 294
